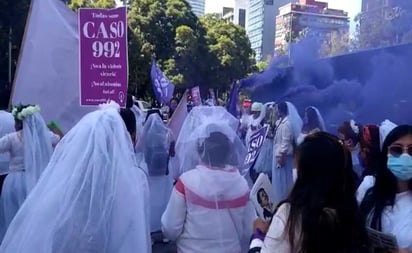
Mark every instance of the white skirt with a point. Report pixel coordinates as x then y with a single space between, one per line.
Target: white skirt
13 195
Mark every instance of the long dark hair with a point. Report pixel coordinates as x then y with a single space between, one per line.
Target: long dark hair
323 208
312 120
383 193
370 149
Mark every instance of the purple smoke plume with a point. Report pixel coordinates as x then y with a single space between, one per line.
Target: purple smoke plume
368 86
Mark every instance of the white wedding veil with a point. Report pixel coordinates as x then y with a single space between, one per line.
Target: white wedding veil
140 117
90 198
295 120
37 148
201 122
320 118
155 143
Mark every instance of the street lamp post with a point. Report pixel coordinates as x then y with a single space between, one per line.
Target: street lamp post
10 52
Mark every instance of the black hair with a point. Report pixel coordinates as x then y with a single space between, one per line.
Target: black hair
259 199
18 123
383 193
370 149
129 101
283 108
312 120
346 130
323 206
129 120
216 150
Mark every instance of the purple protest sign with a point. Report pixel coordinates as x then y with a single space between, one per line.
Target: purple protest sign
103 56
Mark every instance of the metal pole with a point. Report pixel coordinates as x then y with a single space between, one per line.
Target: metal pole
290 36
10 52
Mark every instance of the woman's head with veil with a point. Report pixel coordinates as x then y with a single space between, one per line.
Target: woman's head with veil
208 136
21 112
312 120
215 150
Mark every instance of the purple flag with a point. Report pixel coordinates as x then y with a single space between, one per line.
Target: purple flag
233 100
162 87
103 56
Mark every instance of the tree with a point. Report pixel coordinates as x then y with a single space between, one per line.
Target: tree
76 4
13 15
230 49
261 66
171 34
336 44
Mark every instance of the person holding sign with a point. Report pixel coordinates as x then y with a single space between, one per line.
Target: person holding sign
321 214
387 203
287 130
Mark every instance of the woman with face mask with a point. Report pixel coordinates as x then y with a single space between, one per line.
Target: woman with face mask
387 206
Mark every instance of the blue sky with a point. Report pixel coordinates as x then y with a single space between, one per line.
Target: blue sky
353 7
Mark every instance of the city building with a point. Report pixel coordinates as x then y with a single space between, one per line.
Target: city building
198 7
261 16
384 14
311 16
228 14
236 14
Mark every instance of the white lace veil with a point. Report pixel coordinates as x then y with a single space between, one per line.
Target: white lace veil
320 119
37 148
295 120
155 143
201 122
90 198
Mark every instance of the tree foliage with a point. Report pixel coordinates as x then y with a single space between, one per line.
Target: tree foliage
76 4
13 15
229 46
262 65
338 43
209 52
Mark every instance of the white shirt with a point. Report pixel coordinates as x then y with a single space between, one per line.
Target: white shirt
6 127
13 145
396 220
209 211
277 239
283 141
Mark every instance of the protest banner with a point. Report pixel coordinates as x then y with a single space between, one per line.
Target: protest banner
103 56
255 145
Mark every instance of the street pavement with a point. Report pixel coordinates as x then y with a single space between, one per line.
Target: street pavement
164 248
161 247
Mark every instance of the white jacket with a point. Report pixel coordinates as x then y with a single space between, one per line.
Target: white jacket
283 141
209 211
